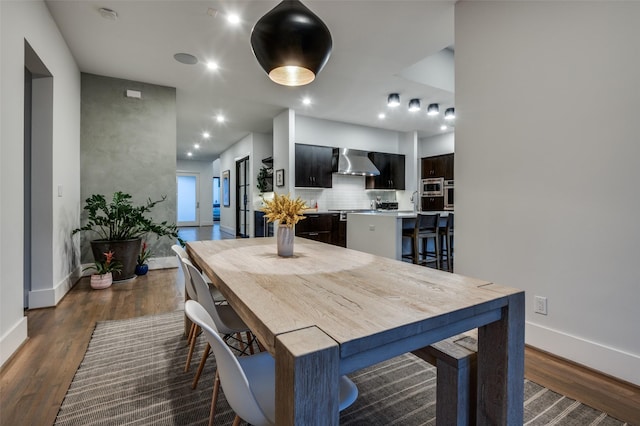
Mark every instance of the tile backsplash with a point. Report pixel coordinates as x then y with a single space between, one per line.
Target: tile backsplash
347 193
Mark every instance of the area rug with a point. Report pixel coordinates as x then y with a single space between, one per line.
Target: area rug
132 374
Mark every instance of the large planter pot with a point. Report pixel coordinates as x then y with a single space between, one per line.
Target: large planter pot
98 282
125 252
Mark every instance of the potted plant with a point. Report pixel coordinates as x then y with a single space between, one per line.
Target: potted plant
287 213
119 226
143 257
103 276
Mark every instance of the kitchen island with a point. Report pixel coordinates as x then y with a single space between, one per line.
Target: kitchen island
380 232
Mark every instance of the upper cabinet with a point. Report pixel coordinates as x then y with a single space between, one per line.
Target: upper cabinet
313 166
391 168
438 166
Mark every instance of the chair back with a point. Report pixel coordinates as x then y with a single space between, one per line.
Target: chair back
182 255
205 299
450 222
427 223
232 377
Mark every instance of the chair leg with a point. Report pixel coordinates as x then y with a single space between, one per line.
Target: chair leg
214 398
249 340
236 421
191 348
241 342
191 333
437 248
416 252
205 355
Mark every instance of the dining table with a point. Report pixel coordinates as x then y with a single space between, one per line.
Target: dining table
327 311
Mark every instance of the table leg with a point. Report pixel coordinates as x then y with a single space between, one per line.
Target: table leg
307 378
501 367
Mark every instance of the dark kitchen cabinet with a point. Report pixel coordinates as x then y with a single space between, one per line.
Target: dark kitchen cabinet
313 166
391 168
432 204
323 227
438 166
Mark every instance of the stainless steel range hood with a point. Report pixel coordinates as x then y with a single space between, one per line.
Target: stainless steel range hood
353 162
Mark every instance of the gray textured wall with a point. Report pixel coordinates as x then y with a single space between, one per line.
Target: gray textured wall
129 145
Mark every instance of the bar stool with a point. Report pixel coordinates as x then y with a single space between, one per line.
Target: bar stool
426 227
446 234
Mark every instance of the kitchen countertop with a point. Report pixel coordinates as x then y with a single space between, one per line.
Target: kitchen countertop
401 214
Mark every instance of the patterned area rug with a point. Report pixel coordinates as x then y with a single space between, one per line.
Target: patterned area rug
133 374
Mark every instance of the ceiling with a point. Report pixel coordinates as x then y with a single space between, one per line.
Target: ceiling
379 47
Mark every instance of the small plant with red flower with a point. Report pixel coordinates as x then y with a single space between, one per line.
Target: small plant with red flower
144 255
105 266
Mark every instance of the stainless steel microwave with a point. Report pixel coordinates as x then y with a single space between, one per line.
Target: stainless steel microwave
432 187
448 195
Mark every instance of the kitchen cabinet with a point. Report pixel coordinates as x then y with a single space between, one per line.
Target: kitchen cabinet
438 166
432 204
391 168
323 227
313 166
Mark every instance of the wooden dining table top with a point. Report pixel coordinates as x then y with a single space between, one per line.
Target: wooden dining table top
358 299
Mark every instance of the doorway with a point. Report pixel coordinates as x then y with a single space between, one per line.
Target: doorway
188 200
242 198
216 199
37 175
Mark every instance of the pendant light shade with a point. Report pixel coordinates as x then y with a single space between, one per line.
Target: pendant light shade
291 43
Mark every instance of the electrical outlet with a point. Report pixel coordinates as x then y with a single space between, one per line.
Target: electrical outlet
372 227
540 305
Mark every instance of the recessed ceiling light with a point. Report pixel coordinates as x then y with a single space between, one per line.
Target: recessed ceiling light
196 145
185 58
233 18
433 109
189 154
443 127
206 135
450 114
109 14
393 100
414 105
220 118
212 65
382 116
306 101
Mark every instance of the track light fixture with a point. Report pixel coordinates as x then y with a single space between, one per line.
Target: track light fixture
393 100
414 105
433 109
449 114
291 44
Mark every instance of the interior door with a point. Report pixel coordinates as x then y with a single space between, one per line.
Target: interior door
188 207
242 198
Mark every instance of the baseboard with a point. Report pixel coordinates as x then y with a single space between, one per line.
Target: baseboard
228 230
163 262
612 361
49 297
12 340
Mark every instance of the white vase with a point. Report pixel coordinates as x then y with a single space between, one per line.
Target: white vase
99 282
285 241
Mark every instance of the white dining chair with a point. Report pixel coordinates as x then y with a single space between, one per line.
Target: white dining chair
224 317
248 382
183 255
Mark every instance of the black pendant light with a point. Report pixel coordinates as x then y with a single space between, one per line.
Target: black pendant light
291 44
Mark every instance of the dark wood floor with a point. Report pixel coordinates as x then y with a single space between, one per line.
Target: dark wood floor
33 383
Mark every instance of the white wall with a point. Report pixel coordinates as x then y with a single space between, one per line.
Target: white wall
436 145
546 192
205 172
228 159
31 20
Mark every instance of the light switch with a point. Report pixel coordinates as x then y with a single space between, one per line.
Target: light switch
59 190
372 227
